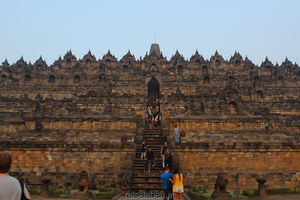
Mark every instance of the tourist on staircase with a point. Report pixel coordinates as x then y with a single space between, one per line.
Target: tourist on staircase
162 153
146 120
164 137
157 105
176 134
159 120
144 150
150 160
169 160
149 108
177 184
151 119
156 117
166 181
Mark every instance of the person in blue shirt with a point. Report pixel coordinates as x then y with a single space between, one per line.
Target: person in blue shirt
164 180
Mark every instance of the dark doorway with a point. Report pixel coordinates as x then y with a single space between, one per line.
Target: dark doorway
153 91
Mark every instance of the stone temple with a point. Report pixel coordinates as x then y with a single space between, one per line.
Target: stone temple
88 114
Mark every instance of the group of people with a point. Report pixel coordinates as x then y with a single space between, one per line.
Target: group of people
172 184
152 118
148 155
166 156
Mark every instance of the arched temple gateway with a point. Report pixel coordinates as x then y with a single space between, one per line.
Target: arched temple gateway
238 117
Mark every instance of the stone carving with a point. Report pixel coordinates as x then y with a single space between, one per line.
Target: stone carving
124 181
83 183
221 182
182 136
220 192
124 138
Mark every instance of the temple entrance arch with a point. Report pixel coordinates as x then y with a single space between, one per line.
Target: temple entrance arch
153 90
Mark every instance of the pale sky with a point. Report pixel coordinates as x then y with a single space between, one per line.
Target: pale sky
256 28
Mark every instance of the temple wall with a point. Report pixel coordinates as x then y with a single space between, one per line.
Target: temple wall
108 164
70 125
242 166
72 115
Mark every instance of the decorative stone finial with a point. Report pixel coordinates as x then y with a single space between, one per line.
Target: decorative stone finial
287 62
155 50
69 55
177 57
109 57
5 63
216 57
89 53
267 63
40 62
89 57
128 57
21 62
197 57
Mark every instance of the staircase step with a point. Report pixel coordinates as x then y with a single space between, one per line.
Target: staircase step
145 168
147 189
158 145
146 177
154 173
141 181
153 135
152 129
147 182
152 147
153 141
144 162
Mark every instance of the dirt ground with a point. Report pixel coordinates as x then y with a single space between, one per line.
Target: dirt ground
271 197
280 197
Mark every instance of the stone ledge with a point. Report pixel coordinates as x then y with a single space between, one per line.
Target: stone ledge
255 146
60 146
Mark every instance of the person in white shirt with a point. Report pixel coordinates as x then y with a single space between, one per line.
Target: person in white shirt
10 188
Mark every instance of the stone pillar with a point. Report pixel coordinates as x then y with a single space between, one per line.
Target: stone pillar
68 188
261 187
45 187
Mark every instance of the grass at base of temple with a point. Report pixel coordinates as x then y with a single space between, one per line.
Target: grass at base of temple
202 193
34 190
282 190
102 192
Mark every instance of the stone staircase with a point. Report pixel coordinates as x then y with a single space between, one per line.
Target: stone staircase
141 180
